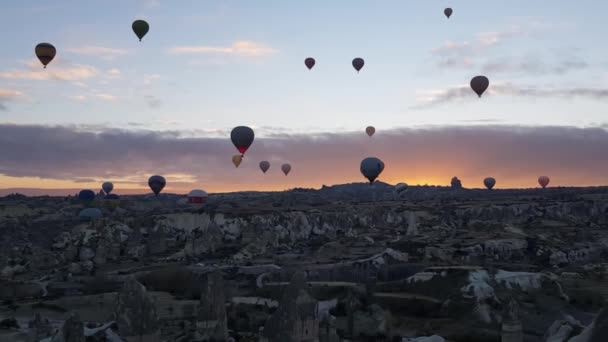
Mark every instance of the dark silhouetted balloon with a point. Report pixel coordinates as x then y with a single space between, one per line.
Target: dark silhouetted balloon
370 130
286 168
358 63
448 12
89 214
543 181
264 166
489 182
45 53
140 27
309 62
107 187
401 188
157 183
86 195
242 137
371 168
479 84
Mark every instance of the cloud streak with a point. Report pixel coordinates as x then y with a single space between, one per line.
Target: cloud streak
462 92
7 96
516 156
55 71
238 49
98 51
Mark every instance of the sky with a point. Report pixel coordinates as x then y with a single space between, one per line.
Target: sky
109 107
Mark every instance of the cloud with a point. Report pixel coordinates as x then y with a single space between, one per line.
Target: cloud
106 97
474 53
78 97
148 79
153 101
239 49
114 73
54 71
435 97
514 155
98 51
8 96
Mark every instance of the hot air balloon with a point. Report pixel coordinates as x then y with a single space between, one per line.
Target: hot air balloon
242 138
448 12
90 214
107 187
264 165
489 182
286 168
309 62
45 53
371 168
140 27
543 181
401 188
358 63
370 130
157 183
86 195
197 196
479 84
237 159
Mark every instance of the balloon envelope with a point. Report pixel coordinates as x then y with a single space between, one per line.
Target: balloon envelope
86 195
197 196
140 27
237 159
309 62
358 63
489 182
401 188
371 168
286 168
45 53
448 12
90 214
543 181
107 187
157 183
242 137
479 84
264 165
370 130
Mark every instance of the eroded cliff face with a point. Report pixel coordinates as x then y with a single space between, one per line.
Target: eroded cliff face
370 267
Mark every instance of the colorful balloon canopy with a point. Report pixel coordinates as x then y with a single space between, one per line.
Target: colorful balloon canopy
479 84
86 195
489 182
141 28
370 130
107 187
286 168
543 181
45 53
448 12
197 196
242 138
264 165
358 63
237 159
371 168
157 183
309 62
